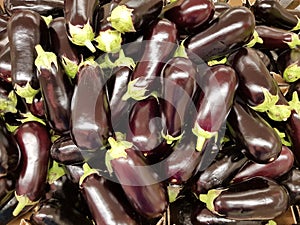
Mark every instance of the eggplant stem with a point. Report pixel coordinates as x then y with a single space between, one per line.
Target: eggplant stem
202 136
23 201
169 138
291 73
255 39
109 41
45 59
297 27
87 171
269 101
279 112
26 92
295 42
121 19
70 67
134 92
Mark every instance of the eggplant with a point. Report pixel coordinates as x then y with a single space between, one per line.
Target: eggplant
90 112
220 7
288 64
293 130
221 171
273 170
37 107
62 47
262 143
132 16
291 182
79 16
159 44
230 31
257 198
54 87
145 192
5 64
3 32
272 13
190 15
34 141
26 29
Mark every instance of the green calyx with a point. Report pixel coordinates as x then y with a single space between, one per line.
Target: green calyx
106 63
180 51
217 62
87 171
109 41
294 103
82 36
23 201
44 59
291 73
88 62
26 92
254 40
297 27
295 42
117 150
55 172
121 19
135 92
269 101
271 222
209 199
202 136
282 136
27 117
279 112
170 139
9 104
47 19
124 60
173 192
70 67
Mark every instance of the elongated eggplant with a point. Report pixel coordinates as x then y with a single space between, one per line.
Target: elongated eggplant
261 142
220 7
293 130
292 184
34 142
190 15
62 47
272 13
26 29
79 15
146 194
3 31
231 30
132 16
212 107
273 170
10 156
257 198
54 88
102 198
221 171
159 43
64 151
5 63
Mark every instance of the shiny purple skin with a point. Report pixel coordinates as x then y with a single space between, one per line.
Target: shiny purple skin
231 30
3 31
273 170
257 198
139 182
5 64
262 143
292 184
34 142
191 14
90 111
293 130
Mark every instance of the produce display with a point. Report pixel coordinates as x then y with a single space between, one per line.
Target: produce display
148 112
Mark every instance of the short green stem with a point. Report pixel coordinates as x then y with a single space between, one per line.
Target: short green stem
23 201
87 171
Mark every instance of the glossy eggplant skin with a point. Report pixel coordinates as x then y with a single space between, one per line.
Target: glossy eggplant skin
34 142
3 31
261 142
90 118
293 130
26 29
179 85
221 171
231 30
147 195
292 184
10 156
273 170
64 151
236 201
190 15
5 63
272 13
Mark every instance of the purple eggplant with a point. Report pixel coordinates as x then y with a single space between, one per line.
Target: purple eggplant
292 184
3 32
231 30
5 64
293 130
34 142
257 198
55 90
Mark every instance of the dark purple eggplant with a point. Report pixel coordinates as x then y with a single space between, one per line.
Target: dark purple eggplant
221 171
3 32
62 47
262 143
257 198
139 181
34 142
190 15
218 85
54 88
26 29
231 30
5 64
159 43
292 184
220 7
132 16
90 118
273 170
10 156
293 130
272 13
79 15
288 64
37 107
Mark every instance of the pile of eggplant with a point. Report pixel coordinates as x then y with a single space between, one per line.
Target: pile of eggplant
148 112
